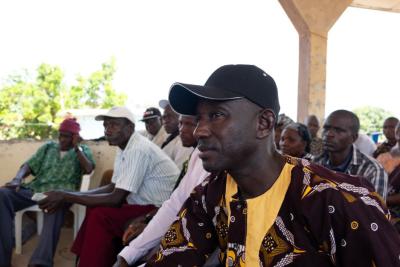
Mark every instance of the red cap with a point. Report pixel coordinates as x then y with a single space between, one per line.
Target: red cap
70 125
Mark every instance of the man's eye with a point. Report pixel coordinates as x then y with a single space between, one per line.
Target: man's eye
216 115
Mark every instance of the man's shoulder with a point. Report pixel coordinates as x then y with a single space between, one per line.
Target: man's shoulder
318 176
366 160
140 143
322 184
142 147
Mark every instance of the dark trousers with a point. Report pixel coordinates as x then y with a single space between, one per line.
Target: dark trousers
101 230
10 202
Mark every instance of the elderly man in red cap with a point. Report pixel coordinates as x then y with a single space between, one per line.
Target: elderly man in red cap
54 166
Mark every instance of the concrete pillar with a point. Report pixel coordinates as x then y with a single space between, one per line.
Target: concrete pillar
313 20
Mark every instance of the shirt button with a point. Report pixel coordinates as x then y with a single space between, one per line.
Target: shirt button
233 218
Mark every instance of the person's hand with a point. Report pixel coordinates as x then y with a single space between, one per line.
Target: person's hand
53 201
76 139
135 228
14 184
121 262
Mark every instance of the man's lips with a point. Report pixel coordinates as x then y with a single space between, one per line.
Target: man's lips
109 137
205 151
205 148
327 144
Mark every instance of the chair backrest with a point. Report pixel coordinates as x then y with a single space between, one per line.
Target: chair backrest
85 183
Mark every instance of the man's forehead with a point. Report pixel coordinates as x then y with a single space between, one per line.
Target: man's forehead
63 133
390 122
107 119
339 121
312 120
186 117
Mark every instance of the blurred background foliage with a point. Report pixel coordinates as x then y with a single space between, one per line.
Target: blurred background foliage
30 103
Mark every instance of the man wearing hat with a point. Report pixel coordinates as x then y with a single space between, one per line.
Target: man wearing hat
54 166
262 208
142 180
172 145
154 129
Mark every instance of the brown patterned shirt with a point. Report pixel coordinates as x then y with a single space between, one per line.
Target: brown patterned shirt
325 219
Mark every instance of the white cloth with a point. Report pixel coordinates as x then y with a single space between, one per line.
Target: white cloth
167 214
157 139
177 152
145 171
365 144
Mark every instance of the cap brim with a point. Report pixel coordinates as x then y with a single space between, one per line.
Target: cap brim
103 116
184 97
150 117
100 117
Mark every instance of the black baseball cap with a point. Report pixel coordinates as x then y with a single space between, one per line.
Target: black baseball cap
228 82
151 113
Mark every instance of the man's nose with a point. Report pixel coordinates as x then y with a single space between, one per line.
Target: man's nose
329 133
107 130
202 130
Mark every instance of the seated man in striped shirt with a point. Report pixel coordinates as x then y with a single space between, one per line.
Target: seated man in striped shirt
143 179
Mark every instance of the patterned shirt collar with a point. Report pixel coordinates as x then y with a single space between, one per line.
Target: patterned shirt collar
351 159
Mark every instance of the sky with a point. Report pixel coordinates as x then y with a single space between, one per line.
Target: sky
157 42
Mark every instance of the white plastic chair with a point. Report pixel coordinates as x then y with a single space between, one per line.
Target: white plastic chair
79 212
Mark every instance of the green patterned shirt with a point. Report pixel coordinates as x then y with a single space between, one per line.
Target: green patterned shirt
53 172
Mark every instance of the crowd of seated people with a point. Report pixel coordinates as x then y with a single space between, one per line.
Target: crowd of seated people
221 179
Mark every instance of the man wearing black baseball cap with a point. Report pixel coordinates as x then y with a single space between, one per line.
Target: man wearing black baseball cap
154 129
262 208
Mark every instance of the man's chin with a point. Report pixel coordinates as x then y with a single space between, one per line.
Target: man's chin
112 143
330 149
210 167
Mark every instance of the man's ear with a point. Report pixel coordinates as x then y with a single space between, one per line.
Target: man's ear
265 123
355 137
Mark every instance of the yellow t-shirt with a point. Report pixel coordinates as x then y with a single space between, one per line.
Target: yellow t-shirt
261 212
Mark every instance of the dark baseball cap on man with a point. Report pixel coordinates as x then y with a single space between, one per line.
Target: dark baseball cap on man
228 82
151 113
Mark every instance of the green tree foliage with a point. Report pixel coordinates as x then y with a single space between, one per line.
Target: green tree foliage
29 107
95 91
371 118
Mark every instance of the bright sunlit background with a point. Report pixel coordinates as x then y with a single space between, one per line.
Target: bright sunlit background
156 43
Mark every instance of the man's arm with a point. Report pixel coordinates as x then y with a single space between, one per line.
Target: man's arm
352 226
167 214
380 180
107 195
85 163
136 226
190 239
23 172
368 238
158 226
